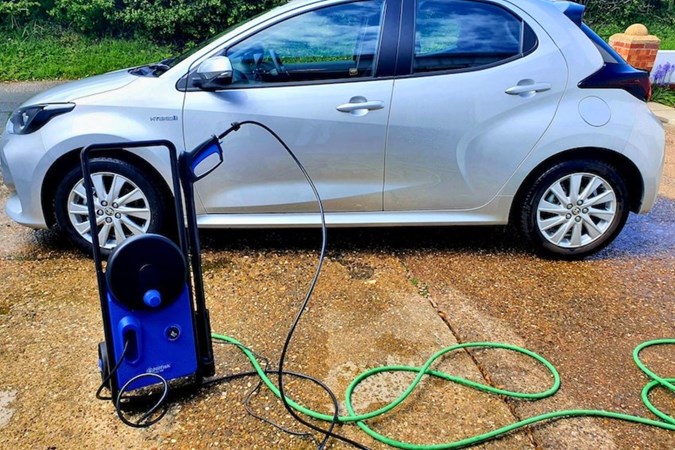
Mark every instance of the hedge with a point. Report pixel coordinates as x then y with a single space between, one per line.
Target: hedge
180 21
160 20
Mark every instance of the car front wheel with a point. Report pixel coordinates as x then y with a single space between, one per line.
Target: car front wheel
575 208
125 201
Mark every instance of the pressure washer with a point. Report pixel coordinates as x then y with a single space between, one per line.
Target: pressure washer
156 324
157 329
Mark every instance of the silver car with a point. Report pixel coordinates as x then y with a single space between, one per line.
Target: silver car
404 112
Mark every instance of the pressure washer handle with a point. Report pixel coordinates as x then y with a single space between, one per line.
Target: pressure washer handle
194 165
201 161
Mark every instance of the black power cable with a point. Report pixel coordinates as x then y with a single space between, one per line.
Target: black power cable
256 390
280 372
108 377
143 422
328 433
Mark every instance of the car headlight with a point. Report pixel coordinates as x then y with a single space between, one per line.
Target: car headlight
31 118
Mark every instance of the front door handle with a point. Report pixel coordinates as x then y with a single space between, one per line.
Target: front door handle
360 106
528 87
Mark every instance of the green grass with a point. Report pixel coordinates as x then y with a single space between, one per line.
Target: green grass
52 54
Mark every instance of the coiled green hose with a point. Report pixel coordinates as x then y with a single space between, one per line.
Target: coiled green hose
667 422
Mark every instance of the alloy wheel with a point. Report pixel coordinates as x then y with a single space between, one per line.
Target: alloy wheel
122 209
576 210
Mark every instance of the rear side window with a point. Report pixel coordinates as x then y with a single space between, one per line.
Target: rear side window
466 34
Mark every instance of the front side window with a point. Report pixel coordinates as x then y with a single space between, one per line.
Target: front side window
464 34
333 43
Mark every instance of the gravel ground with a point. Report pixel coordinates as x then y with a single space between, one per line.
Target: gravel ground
385 297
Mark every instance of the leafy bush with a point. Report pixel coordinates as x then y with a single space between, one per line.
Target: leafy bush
186 19
15 12
160 20
86 16
663 95
626 12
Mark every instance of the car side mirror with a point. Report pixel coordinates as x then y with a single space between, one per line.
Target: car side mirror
214 74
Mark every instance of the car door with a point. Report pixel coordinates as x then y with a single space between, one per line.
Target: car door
314 78
479 84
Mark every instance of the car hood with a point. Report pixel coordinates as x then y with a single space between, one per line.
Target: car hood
82 88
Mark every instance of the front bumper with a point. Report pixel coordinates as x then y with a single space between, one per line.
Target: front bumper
20 157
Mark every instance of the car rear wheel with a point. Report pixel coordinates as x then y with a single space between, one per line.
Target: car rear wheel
125 200
574 209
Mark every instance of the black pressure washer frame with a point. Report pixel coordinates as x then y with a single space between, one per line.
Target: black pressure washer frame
188 241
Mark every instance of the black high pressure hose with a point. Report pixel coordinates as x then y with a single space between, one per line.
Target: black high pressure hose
328 433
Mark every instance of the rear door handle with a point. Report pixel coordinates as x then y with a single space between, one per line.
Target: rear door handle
529 88
360 104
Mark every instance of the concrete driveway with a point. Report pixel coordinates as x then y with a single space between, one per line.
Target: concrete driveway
385 297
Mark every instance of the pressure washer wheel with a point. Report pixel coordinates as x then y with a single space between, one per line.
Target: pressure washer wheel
103 363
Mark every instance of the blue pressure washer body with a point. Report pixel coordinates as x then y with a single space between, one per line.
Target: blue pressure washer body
150 312
155 322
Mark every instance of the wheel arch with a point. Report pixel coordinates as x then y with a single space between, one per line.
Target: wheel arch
71 159
627 170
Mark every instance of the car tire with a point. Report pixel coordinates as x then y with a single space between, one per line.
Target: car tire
574 209
131 204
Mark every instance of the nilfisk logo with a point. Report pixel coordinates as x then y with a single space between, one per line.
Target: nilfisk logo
164 118
158 369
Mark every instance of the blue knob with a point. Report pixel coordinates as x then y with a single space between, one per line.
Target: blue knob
152 298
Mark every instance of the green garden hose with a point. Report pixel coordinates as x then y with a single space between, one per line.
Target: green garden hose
667 422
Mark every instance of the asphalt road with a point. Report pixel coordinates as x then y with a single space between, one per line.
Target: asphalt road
385 297
14 94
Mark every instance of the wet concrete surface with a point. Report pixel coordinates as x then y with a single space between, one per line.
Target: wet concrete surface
386 296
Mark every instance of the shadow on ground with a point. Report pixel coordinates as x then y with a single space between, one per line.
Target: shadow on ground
644 235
